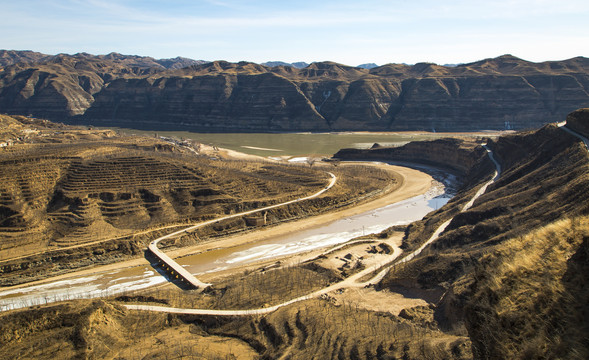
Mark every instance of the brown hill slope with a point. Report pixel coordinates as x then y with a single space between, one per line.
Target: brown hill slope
11 57
510 270
529 297
106 330
99 330
123 90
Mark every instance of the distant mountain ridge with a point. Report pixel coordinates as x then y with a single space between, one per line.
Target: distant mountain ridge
133 91
298 65
367 66
12 57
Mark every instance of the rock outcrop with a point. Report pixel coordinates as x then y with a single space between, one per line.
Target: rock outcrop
114 89
456 155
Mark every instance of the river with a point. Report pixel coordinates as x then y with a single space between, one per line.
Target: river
140 277
135 278
292 144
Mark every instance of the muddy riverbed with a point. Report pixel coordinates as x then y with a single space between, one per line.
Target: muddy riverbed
337 232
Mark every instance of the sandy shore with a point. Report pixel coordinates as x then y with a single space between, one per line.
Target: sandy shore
413 183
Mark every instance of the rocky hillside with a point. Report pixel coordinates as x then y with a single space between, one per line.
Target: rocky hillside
140 92
11 57
577 121
454 155
507 279
511 271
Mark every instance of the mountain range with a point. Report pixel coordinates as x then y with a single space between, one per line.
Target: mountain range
183 94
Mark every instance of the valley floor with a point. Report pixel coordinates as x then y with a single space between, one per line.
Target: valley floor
412 183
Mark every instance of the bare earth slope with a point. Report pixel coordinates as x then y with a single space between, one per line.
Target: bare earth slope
132 91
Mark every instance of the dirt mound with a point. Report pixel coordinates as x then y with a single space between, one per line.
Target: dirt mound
101 330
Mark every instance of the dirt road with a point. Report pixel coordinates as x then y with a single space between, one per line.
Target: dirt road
191 278
352 281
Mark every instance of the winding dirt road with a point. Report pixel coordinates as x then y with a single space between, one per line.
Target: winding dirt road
562 125
191 278
352 281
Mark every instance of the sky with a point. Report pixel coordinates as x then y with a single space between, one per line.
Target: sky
347 32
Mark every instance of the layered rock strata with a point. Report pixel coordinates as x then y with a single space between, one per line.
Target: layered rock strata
455 155
117 90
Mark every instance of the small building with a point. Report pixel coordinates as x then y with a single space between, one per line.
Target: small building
255 220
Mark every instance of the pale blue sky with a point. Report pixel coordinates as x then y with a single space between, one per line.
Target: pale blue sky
348 32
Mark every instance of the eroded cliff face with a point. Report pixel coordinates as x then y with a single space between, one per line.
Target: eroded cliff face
456 155
265 102
500 93
488 102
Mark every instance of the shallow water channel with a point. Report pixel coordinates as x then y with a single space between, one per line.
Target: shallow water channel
140 277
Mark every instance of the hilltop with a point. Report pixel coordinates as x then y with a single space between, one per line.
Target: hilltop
12 57
141 92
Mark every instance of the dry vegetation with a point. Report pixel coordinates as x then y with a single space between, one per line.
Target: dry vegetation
313 329
100 330
544 178
325 328
320 329
530 299
250 289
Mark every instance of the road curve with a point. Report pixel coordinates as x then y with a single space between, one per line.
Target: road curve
187 275
562 125
443 227
351 281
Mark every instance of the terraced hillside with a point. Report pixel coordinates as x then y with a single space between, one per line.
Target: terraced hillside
76 188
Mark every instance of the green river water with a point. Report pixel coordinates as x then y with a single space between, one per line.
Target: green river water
292 144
